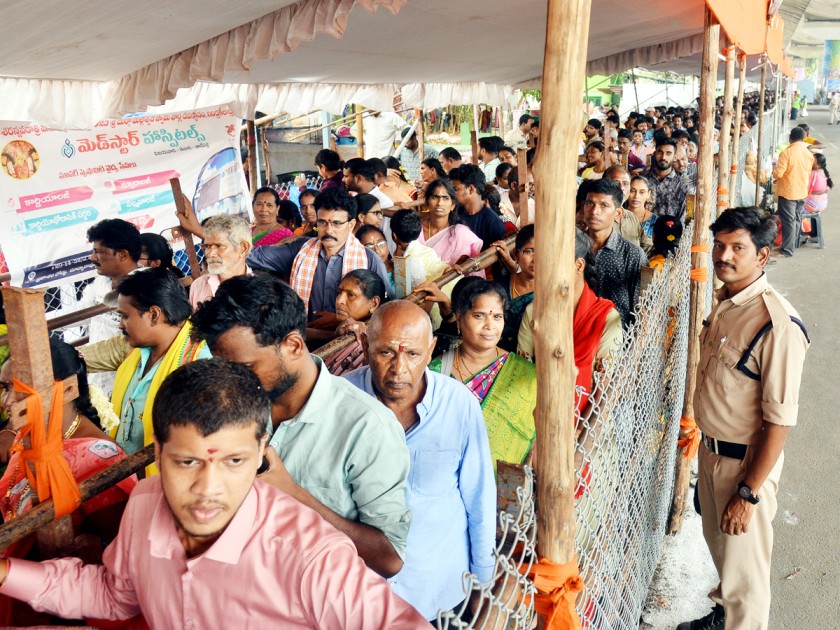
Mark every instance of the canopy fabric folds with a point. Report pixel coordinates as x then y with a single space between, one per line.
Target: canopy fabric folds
280 55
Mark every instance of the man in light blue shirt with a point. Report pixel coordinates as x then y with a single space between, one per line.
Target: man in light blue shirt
451 490
332 448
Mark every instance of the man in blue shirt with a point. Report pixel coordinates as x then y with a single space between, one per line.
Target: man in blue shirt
452 490
337 213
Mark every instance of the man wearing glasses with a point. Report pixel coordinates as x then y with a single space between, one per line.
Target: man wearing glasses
315 266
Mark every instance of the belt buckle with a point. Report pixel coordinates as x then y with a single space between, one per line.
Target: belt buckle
711 444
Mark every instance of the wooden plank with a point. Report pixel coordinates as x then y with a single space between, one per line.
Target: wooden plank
181 208
29 341
524 208
702 219
567 34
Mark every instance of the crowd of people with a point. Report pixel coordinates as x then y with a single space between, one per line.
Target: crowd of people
376 463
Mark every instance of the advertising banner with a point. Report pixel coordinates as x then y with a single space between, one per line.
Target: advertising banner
55 184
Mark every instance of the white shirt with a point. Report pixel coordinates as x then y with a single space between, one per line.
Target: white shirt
515 139
381 132
489 169
385 203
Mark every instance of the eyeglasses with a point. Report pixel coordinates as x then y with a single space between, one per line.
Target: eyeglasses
440 198
377 213
376 245
321 223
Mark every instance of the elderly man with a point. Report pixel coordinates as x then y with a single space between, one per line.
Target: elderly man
791 178
154 318
668 186
409 157
452 493
204 545
334 449
226 243
317 265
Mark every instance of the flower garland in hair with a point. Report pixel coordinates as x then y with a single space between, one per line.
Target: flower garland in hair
107 416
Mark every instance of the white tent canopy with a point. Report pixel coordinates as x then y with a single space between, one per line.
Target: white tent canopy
68 67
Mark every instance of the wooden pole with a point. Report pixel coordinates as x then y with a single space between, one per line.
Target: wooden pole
726 142
736 138
567 35
181 208
759 160
360 132
524 208
421 133
702 217
474 136
266 156
253 175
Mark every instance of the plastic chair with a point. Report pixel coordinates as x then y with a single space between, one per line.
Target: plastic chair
812 230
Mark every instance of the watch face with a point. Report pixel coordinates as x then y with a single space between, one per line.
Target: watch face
745 492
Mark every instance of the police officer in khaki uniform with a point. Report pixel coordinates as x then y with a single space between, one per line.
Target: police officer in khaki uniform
753 348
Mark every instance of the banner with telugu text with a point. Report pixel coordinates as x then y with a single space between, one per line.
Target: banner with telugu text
55 184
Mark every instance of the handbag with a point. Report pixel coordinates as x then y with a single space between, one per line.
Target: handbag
804 113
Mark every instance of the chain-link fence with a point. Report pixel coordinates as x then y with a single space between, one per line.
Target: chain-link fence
508 600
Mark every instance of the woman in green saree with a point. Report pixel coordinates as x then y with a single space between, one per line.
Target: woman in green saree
504 383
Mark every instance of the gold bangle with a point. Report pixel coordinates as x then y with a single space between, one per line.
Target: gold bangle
72 428
12 431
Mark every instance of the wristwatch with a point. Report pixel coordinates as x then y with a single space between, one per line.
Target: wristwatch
746 493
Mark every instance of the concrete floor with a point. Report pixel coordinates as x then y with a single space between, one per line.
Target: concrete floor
806 560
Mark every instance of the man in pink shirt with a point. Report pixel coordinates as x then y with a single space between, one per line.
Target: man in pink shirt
204 545
227 243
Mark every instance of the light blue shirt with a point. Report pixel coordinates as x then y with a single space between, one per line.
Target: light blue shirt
130 435
451 495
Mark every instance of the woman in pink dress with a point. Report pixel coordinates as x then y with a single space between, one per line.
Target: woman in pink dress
442 227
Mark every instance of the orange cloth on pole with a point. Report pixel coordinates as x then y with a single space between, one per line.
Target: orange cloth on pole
744 21
557 588
702 248
700 274
690 441
52 476
775 40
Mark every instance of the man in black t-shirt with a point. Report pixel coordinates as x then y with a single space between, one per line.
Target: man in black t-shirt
469 182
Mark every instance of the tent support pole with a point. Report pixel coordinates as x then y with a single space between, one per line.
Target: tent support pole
759 160
567 33
736 136
360 130
253 175
724 158
421 133
701 221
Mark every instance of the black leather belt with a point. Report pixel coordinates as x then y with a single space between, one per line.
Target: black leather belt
725 449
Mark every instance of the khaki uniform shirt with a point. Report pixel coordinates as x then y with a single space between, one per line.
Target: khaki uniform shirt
728 404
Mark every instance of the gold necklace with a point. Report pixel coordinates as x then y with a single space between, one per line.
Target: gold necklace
73 426
459 361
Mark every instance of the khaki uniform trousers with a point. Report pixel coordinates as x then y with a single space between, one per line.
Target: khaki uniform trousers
742 562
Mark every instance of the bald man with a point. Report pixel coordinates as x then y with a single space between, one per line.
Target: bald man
452 489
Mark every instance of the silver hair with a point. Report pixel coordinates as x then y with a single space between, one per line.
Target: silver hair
235 228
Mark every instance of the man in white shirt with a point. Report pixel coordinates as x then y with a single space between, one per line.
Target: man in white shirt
359 178
518 138
381 130
834 108
116 251
488 151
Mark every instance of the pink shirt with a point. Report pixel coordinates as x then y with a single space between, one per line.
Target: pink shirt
204 287
278 564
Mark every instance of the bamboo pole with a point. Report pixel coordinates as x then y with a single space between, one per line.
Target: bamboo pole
261 122
253 176
567 35
736 138
759 160
702 216
421 134
266 156
360 132
724 175
524 208
181 208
